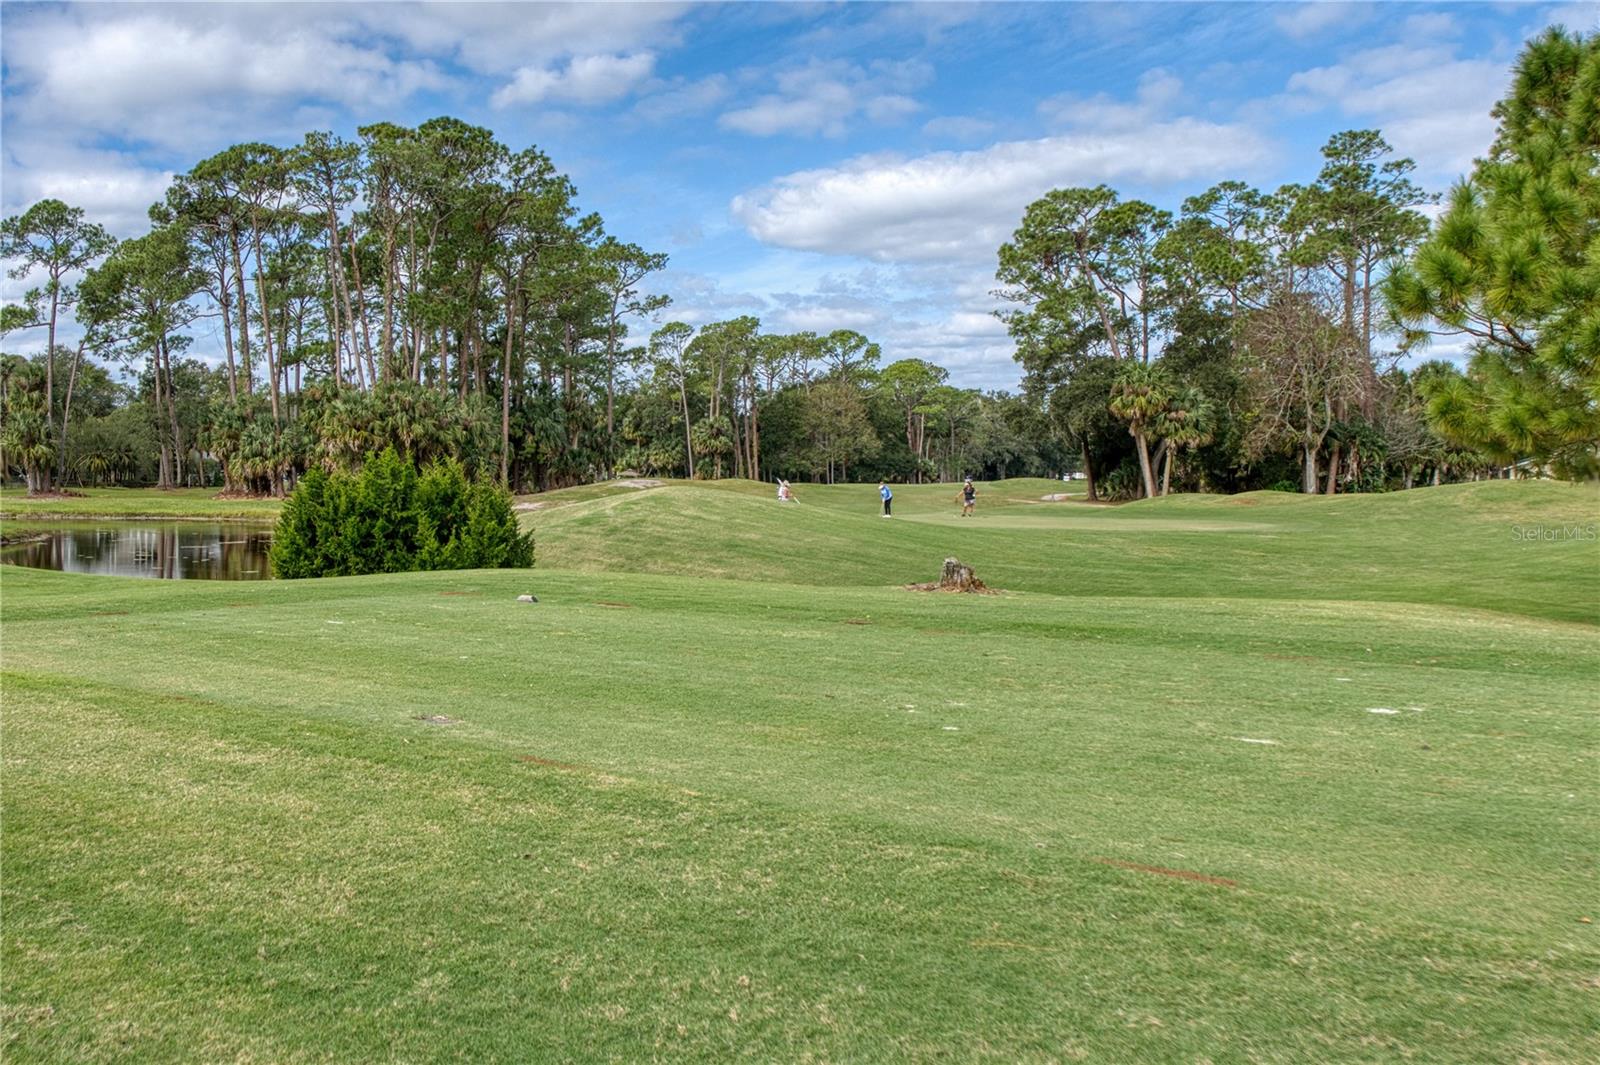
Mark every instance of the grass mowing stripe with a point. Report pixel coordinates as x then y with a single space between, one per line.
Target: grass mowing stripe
382 894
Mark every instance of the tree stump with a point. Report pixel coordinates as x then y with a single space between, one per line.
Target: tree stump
957 577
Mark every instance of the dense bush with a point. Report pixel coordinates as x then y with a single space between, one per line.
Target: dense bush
390 519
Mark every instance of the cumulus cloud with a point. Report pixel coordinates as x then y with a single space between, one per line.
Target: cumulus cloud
961 205
113 188
1431 105
588 79
169 75
499 38
823 97
158 75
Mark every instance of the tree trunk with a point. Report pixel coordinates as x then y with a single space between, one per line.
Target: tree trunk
371 376
755 434
505 394
227 337
1308 473
50 357
1088 472
244 311
66 416
172 418
688 442
1144 463
1333 471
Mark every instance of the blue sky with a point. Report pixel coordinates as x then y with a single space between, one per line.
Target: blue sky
819 165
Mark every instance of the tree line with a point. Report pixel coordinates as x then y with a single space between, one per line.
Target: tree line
1254 338
432 290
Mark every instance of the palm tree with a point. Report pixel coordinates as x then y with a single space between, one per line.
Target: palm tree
1139 396
1189 422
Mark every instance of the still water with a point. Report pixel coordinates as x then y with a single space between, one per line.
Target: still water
183 550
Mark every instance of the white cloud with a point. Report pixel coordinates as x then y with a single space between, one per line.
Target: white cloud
821 98
1304 21
172 75
498 38
160 75
114 189
961 205
938 313
680 97
1431 105
1583 17
1157 93
587 79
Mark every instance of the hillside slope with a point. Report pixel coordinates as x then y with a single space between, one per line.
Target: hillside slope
1515 547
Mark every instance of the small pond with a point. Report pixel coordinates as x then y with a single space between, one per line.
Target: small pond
176 550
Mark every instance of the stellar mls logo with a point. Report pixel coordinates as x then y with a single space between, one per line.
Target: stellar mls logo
1549 534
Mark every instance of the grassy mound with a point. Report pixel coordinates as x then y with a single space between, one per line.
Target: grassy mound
1460 545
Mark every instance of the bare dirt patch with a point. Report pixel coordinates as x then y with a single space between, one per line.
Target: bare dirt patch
1181 874
437 719
639 482
460 593
109 614
550 763
857 621
612 605
934 586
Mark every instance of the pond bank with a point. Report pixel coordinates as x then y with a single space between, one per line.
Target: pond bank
169 550
137 504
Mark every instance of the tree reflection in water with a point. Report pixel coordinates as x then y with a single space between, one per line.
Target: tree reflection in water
170 550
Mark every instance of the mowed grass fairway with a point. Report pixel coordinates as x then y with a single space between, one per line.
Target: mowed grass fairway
728 791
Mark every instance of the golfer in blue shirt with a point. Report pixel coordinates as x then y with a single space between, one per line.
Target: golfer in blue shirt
883 490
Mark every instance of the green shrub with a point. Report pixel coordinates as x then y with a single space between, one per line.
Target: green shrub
297 550
389 519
